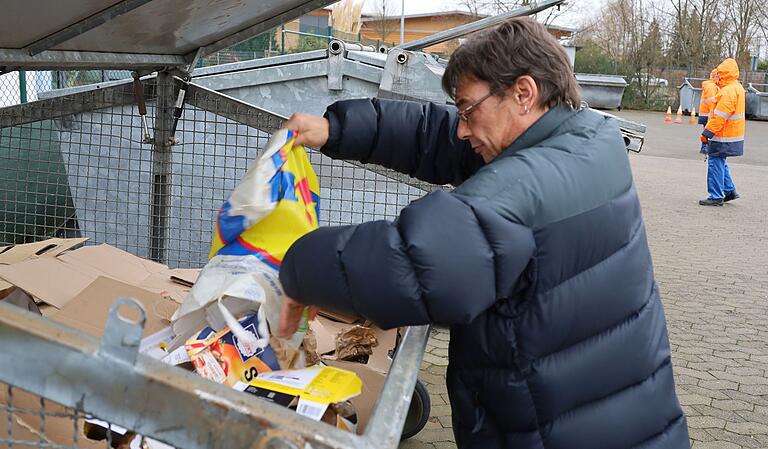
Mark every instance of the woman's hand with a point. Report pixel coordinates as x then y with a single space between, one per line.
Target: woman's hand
290 316
313 130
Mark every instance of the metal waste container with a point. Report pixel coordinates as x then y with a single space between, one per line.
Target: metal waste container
757 101
690 94
602 91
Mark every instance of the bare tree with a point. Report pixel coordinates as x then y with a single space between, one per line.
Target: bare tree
630 33
384 19
697 33
742 17
473 6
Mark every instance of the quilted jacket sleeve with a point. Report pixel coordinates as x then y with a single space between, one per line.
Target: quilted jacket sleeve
412 138
435 263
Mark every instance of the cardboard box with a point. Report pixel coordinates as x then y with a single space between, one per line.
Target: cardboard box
373 373
88 310
67 274
373 382
325 331
340 316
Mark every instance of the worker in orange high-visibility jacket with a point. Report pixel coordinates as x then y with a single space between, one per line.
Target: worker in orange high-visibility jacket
709 91
724 134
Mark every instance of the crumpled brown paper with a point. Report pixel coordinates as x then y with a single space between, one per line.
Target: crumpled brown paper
309 346
355 344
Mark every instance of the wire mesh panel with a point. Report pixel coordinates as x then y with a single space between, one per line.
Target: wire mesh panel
75 174
23 86
29 421
89 170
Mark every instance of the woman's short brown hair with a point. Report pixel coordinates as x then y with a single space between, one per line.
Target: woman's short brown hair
519 46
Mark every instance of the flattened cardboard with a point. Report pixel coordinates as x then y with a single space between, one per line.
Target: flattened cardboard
88 311
161 282
47 310
185 276
69 273
113 262
46 248
48 279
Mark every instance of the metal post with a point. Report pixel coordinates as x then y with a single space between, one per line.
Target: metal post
22 86
161 167
282 39
402 22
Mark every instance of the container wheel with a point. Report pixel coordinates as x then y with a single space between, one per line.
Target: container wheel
418 413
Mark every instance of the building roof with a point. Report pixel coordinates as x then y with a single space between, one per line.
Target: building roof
455 12
371 18
565 29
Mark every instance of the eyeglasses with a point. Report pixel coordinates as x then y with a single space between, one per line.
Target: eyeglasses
466 112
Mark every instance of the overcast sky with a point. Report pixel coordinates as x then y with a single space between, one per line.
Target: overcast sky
574 17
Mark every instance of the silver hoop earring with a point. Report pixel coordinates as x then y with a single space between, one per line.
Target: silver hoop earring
525 107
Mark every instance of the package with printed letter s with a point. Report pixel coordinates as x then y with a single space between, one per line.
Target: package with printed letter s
319 392
225 358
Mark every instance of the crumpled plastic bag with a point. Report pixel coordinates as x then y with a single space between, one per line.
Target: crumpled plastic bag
275 203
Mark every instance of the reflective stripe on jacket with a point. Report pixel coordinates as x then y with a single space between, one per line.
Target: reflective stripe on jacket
709 91
725 127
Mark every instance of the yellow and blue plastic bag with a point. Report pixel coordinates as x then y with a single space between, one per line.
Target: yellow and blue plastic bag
276 202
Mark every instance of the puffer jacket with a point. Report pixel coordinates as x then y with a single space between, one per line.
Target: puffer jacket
725 127
538 261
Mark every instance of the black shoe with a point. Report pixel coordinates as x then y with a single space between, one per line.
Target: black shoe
730 196
709 202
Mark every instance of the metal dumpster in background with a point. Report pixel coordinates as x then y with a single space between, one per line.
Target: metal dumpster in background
602 91
690 94
757 101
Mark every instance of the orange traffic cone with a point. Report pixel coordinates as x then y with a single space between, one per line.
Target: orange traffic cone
668 115
692 118
679 117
